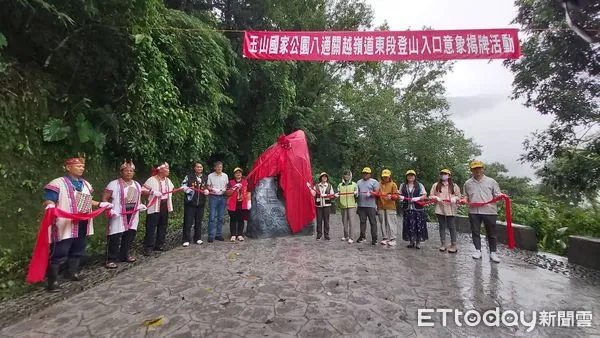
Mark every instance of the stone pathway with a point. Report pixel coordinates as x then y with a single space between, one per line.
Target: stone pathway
296 286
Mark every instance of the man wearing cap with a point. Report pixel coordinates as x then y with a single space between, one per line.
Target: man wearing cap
348 191
324 194
386 208
239 203
67 238
194 201
480 189
217 185
160 204
368 190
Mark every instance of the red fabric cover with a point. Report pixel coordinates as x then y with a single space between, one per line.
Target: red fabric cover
232 200
41 252
289 159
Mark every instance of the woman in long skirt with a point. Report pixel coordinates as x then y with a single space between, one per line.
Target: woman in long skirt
414 229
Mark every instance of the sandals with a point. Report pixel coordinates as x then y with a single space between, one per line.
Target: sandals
452 249
111 265
131 259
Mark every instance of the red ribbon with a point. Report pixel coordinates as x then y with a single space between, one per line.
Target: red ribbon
41 251
508 211
155 199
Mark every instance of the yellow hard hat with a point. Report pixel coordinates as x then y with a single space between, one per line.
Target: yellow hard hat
446 171
323 174
366 170
411 172
476 164
386 173
237 169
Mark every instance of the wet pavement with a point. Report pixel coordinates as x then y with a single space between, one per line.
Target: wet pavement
296 286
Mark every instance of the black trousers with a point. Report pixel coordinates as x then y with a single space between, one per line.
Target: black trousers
236 220
323 221
156 228
119 245
192 215
489 221
70 247
371 214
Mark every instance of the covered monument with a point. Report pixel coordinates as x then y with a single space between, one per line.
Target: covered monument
282 205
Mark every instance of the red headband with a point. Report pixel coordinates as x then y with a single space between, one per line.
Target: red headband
74 160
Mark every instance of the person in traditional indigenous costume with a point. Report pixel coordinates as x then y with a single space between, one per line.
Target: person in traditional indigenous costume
73 194
125 195
414 229
194 201
386 208
447 194
160 203
217 185
324 195
239 203
481 189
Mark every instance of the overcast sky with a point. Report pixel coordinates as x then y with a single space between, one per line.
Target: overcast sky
478 91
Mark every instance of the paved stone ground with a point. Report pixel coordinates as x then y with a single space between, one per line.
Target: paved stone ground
298 287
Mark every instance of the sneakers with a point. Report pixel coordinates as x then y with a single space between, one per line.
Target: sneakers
360 240
318 237
199 242
443 248
241 238
220 238
476 254
186 244
232 239
350 241
391 242
452 249
383 242
374 242
327 238
411 245
494 257
210 240
344 239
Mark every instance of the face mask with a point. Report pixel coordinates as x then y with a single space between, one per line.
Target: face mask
444 177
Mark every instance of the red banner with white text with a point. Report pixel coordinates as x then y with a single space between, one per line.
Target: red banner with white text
464 44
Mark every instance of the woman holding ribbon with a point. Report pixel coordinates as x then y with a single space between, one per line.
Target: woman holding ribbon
125 194
73 194
324 194
159 188
386 208
446 193
239 203
414 229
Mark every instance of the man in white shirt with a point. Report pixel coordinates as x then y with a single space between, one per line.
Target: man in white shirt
481 189
217 185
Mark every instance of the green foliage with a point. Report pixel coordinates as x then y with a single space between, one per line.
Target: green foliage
558 76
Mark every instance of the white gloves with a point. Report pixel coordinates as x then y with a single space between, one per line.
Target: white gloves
336 195
249 205
105 205
453 199
437 198
187 190
356 193
50 206
112 213
142 207
414 199
157 193
238 185
206 192
401 198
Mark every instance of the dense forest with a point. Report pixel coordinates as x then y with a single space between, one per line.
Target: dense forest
156 80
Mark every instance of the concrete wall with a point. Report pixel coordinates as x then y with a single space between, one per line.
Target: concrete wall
584 251
525 237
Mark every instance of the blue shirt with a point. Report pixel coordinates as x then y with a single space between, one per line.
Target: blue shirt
51 195
364 188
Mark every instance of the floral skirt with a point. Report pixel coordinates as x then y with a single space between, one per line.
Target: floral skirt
414 227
